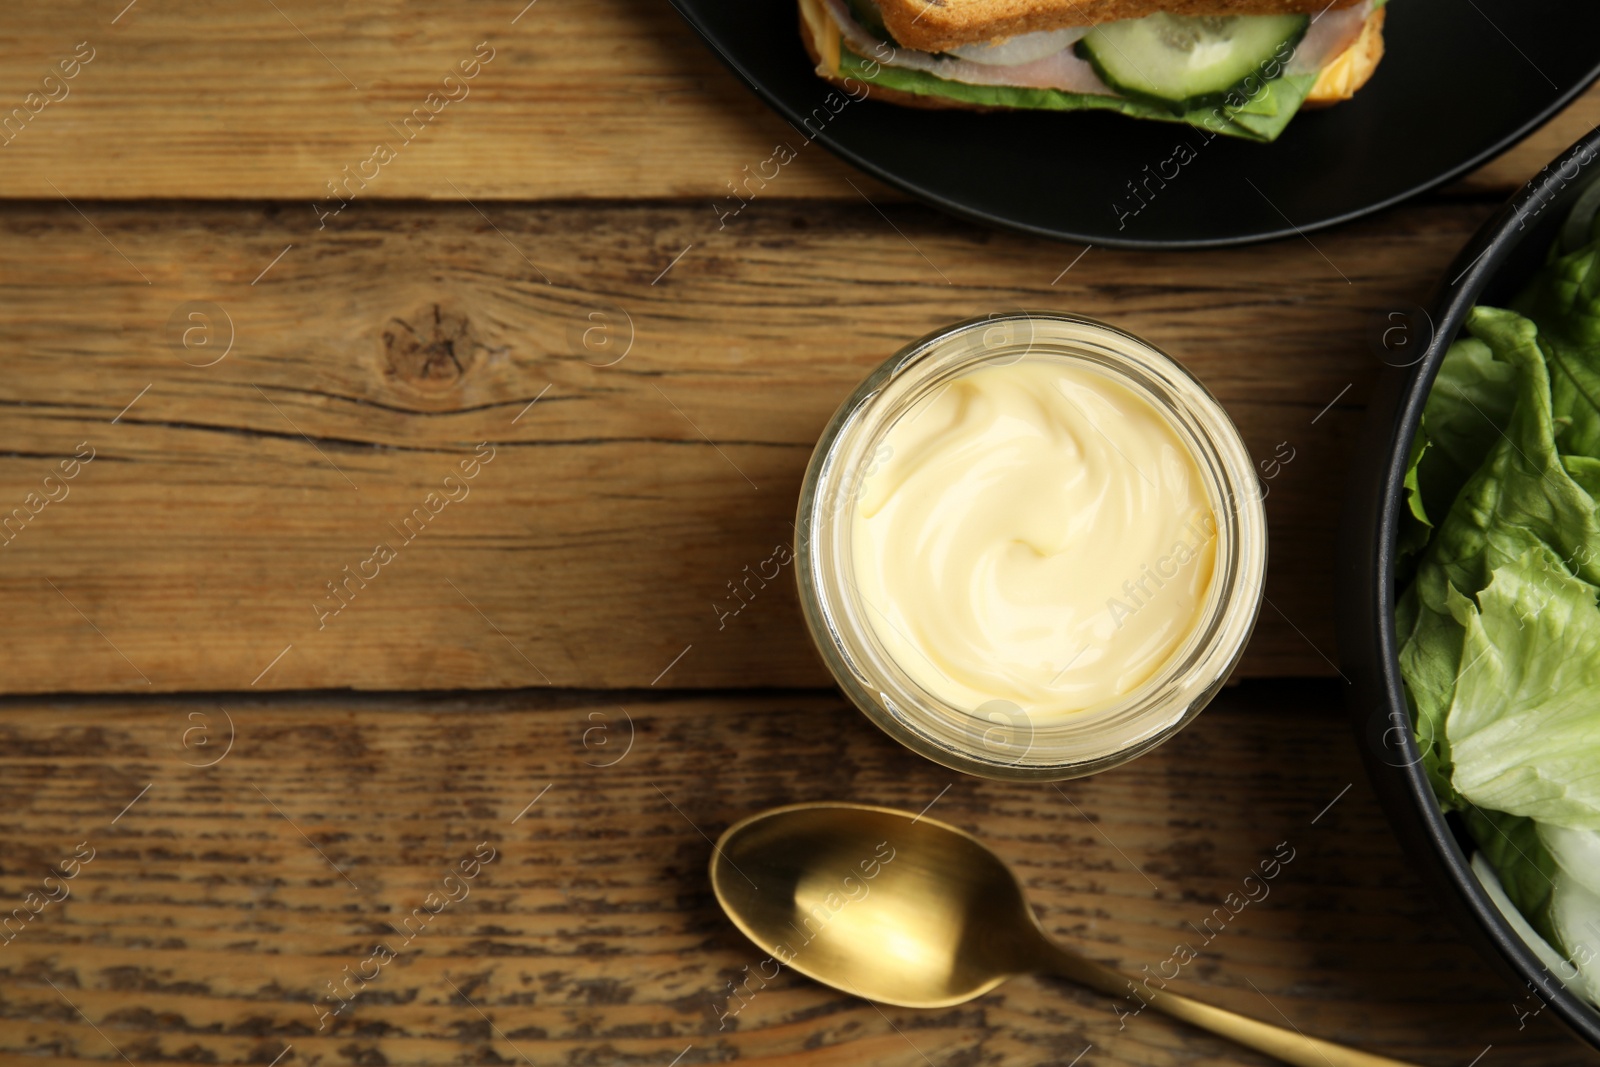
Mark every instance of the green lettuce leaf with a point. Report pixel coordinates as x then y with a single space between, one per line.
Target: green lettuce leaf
1527 870
1500 627
1470 404
1522 485
1524 724
1468 408
1415 527
1260 119
1564 298
1494 403
1432 635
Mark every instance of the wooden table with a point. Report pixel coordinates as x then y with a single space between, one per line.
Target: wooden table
272 766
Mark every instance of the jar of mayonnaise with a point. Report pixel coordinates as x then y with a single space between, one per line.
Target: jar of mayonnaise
1030 546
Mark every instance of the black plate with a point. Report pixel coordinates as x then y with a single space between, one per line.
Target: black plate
1492 267
1461 82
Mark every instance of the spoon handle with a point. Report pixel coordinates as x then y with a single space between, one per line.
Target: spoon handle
1290 1046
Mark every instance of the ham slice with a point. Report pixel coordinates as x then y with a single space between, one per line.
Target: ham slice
1064 70
1328 36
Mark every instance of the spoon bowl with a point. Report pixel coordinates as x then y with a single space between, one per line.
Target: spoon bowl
906 910
815 885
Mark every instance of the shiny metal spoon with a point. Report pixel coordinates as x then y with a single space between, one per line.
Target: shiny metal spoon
905 910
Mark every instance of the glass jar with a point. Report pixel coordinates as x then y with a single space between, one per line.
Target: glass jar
998 739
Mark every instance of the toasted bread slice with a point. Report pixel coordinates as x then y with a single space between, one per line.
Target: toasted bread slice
940 25
1338 81
821 36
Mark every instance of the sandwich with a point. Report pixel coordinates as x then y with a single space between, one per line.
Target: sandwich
1242 68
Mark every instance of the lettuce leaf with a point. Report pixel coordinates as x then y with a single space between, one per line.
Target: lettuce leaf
1525 867
1521 498
1260 119
1500 627
1524 725
1564 296
1523 485
1469 405
1416 527
1433 634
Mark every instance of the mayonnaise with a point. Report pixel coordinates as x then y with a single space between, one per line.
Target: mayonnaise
1033 533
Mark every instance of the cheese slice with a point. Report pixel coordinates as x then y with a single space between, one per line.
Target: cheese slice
825 34
1340 79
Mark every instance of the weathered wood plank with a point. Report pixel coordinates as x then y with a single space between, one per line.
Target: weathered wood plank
609 98
601 538
222 899
615 98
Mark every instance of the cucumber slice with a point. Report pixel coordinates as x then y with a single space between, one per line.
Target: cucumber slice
1183 61
869 18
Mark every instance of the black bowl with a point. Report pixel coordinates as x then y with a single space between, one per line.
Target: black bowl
1493 265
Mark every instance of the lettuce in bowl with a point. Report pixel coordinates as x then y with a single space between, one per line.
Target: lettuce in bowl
1500 621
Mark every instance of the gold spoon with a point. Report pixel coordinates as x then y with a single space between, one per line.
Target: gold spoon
905 910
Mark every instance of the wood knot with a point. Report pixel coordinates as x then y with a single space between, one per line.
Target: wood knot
432 352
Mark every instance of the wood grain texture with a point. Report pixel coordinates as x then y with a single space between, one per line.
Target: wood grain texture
1519 163
219 905
636 370
604 536
602 98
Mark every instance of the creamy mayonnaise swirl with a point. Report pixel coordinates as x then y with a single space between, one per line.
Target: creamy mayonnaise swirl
1035 533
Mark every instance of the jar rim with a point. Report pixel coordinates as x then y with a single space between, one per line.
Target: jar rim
1005 742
